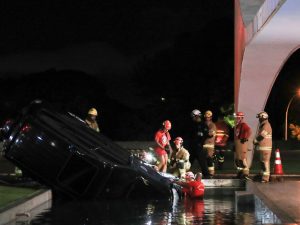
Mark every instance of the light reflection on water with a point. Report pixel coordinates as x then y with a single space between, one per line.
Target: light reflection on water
212 210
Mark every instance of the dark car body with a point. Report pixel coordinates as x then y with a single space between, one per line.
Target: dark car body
62 152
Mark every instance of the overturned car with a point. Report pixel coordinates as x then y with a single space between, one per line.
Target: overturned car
63 153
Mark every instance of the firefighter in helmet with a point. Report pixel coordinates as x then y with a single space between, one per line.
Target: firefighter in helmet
222 136
91 119
263 143
162 139
198 134
241 134
180 163
209 141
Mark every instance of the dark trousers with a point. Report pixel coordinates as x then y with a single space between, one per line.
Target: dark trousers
201 156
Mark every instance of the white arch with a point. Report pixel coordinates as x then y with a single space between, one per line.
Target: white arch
264 57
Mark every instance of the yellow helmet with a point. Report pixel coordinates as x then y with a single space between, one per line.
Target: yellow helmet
93 112
208 113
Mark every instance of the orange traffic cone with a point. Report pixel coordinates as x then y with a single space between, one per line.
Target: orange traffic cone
278 166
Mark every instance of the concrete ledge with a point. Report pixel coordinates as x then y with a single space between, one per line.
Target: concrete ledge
23 206
233 183
246 201
273 176
284 217
264 214
217 187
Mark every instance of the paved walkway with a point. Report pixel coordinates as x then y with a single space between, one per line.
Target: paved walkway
283 198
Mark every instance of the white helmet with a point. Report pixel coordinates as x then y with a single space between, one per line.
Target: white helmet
262 115
195 112
190 175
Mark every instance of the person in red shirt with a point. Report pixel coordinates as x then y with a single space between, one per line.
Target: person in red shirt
162 139
193 187
194 209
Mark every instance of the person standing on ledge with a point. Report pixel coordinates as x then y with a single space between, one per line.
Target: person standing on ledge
162 139
209 142
263 143
241 134
199 131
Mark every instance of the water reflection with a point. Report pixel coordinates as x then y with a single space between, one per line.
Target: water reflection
217 210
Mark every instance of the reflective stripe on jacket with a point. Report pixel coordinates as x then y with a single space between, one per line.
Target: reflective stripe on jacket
264 136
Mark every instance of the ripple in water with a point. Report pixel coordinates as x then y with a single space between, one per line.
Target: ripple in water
211 210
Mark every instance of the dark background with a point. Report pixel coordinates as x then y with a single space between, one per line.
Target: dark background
285 87
137 62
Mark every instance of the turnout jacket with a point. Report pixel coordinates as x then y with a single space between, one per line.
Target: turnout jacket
209 141
263 139
242 131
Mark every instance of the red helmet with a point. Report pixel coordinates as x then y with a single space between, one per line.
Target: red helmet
167 124
178 140
239 114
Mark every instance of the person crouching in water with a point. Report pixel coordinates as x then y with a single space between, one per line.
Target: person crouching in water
180 163
162 139
193 186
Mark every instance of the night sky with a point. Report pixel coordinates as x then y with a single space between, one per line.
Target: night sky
126 56
285 87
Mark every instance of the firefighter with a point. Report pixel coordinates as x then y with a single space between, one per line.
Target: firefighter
180 159
193 187
91 119
263 143
222 136
209 142
162 139
199 131
241 134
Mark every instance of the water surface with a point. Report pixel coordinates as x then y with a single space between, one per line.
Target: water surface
211 210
